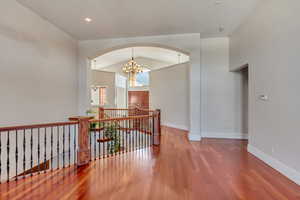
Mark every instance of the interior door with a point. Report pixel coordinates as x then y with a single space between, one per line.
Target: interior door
138 99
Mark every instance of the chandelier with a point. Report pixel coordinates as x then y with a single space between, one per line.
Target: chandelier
132 68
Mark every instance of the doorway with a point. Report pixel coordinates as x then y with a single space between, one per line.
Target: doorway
244 99
138 99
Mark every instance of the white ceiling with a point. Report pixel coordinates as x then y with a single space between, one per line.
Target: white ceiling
149 64
130 18
156 57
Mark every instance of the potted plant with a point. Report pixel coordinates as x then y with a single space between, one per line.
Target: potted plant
111 132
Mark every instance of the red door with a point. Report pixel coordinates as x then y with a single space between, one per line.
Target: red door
138 99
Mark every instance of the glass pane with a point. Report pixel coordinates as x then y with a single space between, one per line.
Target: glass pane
142 79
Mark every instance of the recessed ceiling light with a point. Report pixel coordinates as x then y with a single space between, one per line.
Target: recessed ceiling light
87 19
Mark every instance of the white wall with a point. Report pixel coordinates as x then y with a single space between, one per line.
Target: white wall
38 68
169 91
121 91
221 92
269 42
38 79
121 97
107 79
186 42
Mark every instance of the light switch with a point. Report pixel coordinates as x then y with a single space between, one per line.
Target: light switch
263 97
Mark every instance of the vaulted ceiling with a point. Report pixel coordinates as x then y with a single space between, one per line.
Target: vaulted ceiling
147 63
150 57
129 18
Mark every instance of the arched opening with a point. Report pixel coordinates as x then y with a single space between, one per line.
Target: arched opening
134 45
162 83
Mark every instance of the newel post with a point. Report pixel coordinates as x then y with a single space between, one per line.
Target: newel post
157 127
101 113
84 151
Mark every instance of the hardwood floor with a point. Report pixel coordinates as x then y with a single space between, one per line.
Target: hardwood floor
212 169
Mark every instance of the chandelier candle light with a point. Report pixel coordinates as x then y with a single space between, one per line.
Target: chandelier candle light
132 68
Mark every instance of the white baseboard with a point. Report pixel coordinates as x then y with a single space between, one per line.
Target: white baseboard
176 126
194 137
225 135
287 171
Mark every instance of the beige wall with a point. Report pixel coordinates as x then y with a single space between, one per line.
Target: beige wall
169 91
269 42
121 97
38 68
221 92
38 79
107 79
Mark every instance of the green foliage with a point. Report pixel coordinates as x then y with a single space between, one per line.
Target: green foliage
94 125
111 131
90 112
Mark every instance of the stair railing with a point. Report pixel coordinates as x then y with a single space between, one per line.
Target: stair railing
34 149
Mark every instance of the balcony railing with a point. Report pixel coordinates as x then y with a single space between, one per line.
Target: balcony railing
30 150
116 112
25 150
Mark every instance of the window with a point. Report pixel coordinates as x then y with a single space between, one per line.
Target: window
98 96
121 81
142 79
102 96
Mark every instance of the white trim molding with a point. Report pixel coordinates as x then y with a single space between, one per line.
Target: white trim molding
225 135
287 171
194 137
176 126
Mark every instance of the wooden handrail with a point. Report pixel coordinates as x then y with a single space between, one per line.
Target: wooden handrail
15 128
122 118
146 110
78 133
116 109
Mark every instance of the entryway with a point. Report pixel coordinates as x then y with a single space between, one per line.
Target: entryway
138 99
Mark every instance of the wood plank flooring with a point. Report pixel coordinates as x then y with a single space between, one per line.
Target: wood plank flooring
212 169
